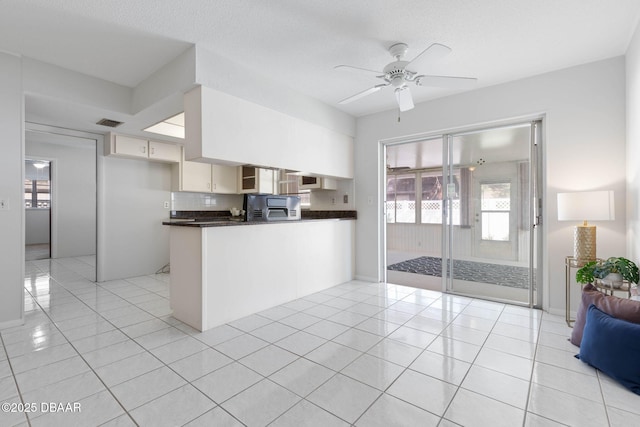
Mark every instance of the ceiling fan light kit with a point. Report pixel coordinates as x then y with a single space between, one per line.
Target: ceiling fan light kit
398 75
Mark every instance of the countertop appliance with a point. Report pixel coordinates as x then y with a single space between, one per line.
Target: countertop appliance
267 207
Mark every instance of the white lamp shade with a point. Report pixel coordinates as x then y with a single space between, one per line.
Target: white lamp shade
586 206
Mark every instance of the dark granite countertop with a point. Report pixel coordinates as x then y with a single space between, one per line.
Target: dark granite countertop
223 219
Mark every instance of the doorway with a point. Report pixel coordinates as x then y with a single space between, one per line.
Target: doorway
460 214
37 204
413 212
72 202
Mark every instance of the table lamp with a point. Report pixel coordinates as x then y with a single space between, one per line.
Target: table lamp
585 206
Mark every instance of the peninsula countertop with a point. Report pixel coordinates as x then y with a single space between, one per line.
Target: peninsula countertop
223 219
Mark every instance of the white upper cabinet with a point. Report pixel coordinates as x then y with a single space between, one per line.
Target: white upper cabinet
225 128
316 183
255 180
164 151
195 177
139 148
200 177
224 179
129 146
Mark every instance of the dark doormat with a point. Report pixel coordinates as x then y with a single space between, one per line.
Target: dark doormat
495 274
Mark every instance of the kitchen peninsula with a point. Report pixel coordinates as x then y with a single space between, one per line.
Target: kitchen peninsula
222 270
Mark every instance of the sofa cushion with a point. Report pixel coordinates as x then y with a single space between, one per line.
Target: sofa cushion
612 346
620 308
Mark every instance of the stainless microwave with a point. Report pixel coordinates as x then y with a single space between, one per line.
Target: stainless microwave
266 207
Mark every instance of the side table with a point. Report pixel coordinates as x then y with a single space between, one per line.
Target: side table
607 289
569 264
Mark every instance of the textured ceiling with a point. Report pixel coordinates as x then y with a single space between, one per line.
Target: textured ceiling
297 43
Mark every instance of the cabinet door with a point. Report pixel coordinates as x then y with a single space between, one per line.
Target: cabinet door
265 181
224 179
164 152
128 146
247 182
255 180
195 177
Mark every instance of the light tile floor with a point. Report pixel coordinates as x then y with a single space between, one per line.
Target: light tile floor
363 354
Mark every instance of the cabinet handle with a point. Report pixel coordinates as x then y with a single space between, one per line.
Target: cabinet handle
208 186
153 150
144 149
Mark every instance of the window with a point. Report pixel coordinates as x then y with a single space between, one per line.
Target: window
401 198
37 194
433 190
424 189
37 186
495 206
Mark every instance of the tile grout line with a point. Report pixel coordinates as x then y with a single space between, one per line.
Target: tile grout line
116 328
604 401
533 366
80 355
342 295
406 368
15 381
335 373
129 337
458 387
148 351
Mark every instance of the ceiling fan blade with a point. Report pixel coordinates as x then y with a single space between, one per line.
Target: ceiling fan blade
363 93
359 70
447 82
403 96
433 53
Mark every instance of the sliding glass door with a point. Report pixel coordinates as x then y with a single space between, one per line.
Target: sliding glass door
413 213
490 236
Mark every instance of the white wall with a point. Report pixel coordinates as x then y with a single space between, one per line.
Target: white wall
36 226
633 147
584 110
73 172
324 199
11 188
135 241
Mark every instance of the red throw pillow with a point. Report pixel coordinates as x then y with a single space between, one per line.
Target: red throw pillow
620 308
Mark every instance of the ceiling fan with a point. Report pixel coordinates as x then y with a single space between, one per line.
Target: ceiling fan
398 74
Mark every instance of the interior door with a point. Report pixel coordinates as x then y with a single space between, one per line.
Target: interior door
495 216
490 252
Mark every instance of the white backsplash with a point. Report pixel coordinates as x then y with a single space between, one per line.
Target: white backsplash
185 201
323 200
329 200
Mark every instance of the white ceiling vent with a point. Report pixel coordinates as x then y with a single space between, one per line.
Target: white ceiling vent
109 123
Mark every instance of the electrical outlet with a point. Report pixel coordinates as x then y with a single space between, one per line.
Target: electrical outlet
370 200
166 205
345 198
4 204
333 200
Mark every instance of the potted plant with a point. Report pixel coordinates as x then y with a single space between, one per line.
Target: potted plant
612 272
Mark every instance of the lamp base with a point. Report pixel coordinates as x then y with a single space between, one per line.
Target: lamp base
584 243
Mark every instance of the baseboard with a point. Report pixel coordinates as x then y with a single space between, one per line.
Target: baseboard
366 279
11 323
561 312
